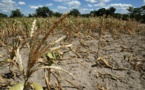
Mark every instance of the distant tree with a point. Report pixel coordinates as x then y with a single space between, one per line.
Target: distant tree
74 12
93 13
117 15
85 15
43 12
121 16
30 15
135 13
57 14
110 11
101 12
125 16
3 15
143 14
16 13
130 9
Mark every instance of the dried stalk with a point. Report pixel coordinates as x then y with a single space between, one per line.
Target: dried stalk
34 54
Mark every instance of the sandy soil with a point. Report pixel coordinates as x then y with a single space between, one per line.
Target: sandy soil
120 64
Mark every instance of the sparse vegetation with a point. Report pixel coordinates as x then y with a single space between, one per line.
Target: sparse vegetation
35 34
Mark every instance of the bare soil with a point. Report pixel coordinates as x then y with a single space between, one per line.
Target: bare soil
118 64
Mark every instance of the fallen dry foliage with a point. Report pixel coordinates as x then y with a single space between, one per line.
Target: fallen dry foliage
86 53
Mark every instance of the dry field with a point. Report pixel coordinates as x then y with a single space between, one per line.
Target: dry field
70 53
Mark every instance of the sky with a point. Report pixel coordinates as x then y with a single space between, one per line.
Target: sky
84 6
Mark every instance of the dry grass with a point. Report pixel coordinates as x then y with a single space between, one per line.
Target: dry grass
26 33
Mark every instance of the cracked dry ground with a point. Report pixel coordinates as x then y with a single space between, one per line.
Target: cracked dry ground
122 66
119 66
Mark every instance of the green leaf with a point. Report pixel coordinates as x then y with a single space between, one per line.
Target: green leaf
18 86
37 86
57 56
50 55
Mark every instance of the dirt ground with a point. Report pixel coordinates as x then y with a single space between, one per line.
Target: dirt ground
117 65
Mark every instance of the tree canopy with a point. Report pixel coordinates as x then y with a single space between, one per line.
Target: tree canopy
43 12
16 13
3 15
103 11
74 12
137 13
57 14
110 11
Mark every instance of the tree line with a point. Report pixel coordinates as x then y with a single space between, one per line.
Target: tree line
135 13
